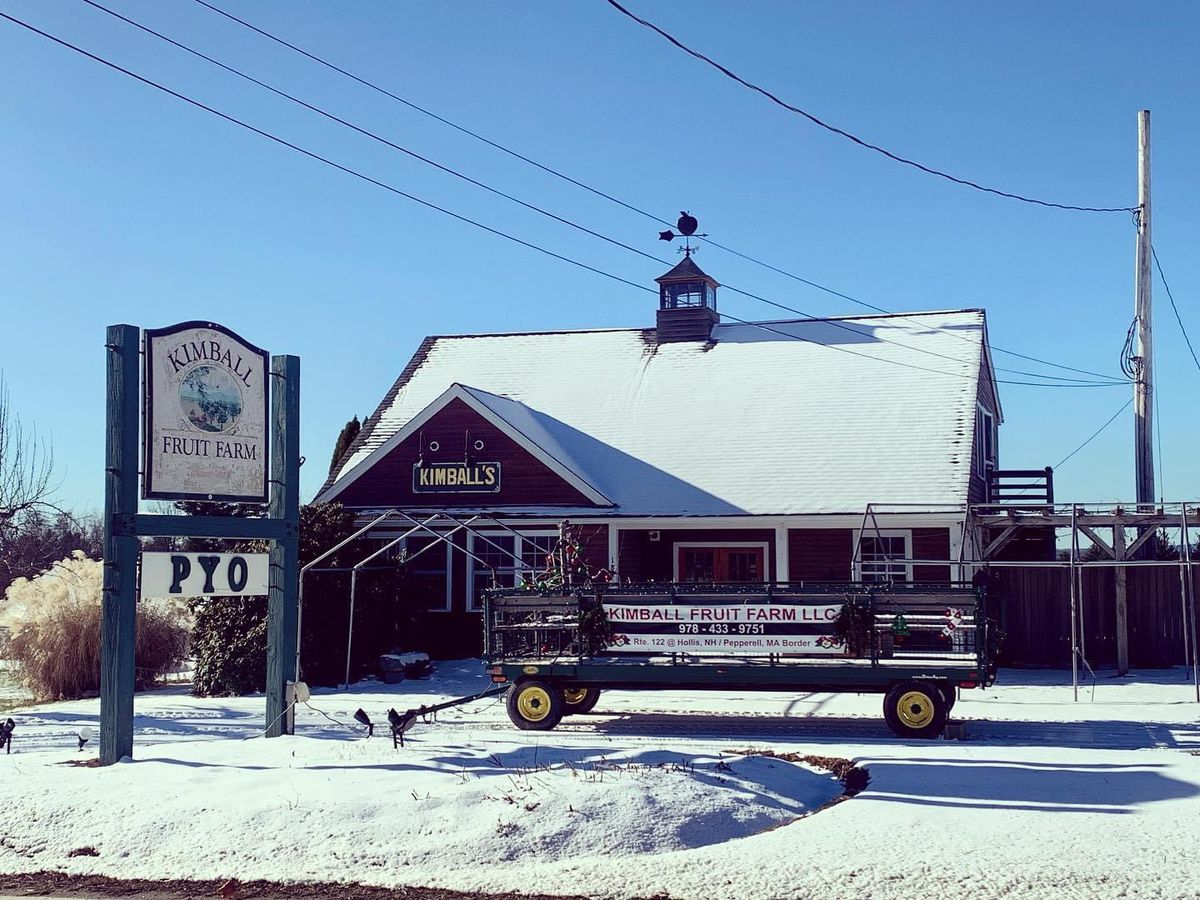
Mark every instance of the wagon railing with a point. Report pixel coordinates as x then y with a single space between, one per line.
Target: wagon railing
773 623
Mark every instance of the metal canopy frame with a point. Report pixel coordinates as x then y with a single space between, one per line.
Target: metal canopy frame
1080 518
417 525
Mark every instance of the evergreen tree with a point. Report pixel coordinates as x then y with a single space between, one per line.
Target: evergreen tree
349 432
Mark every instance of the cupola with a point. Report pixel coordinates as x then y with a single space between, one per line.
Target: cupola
687 303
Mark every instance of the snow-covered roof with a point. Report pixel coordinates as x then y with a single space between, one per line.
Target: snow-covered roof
775 418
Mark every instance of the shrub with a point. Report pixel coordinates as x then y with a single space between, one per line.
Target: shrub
229 641
56 639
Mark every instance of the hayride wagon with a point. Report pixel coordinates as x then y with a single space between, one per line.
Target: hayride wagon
914 644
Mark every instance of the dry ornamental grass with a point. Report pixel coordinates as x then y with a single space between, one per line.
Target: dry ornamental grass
56 643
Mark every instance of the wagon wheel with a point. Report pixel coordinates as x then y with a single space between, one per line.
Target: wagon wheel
915 709
949 694
535 705
579 700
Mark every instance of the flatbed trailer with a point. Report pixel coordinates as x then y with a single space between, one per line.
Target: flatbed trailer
915 644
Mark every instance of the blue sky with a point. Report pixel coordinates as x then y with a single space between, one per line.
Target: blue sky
125 205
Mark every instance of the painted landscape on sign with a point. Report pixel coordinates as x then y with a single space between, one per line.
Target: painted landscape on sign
210 399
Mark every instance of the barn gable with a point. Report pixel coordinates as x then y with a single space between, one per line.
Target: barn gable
467 449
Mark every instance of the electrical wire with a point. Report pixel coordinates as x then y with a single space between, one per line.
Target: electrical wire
1158 429
316 156
1163 278
391 188
1130 361
766 326
370 134
1095 434
853 138
607 196
562 220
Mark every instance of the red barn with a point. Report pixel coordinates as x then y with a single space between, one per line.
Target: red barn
696 450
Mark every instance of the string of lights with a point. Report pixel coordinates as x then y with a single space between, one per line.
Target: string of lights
458 216
854 138
540 210
557 173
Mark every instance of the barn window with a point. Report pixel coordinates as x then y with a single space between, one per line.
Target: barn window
429 571
495 552
881 556
986 442
535 550
531 549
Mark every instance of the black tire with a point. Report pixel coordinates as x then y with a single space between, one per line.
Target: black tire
950 695
580 700
915 709
535 705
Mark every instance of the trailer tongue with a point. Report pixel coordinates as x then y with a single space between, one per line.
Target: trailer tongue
401 722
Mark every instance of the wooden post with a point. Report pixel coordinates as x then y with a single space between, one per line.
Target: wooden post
1143 386
1122 622
1074 603
118 629
282 625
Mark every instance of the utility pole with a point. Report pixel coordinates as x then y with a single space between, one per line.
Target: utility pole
1143 386
1143 389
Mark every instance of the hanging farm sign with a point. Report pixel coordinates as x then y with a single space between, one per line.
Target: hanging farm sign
750 629
205 409
456 478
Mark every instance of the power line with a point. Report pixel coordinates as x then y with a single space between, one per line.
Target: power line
764 326
391 188
366 133
417 108
603 194
855 139
1095 434
562 220
316 156
1171 297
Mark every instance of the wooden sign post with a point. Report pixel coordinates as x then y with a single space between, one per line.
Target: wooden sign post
216 396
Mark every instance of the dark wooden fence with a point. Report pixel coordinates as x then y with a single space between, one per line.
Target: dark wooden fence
1035 615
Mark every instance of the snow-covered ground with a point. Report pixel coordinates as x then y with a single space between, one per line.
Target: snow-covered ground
11 691
1048 797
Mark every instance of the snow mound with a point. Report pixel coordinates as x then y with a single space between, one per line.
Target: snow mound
341 809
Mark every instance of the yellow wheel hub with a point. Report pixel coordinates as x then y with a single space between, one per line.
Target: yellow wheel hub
533 703
915 709
575 696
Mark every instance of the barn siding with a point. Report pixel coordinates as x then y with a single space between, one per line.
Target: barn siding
524 480
820 554
931 543
986 397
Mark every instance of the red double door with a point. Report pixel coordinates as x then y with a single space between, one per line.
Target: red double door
716 564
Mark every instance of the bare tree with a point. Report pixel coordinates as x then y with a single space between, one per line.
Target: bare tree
27 482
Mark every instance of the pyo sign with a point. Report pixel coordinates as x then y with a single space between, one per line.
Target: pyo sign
203 574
